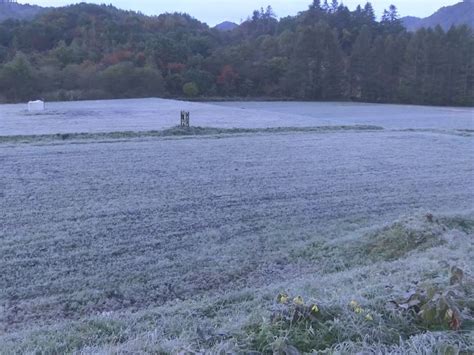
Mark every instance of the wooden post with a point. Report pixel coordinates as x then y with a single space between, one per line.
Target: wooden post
185 119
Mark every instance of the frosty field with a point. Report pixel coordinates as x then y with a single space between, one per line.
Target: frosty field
156 114
144 241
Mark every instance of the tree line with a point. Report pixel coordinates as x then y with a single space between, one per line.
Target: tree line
326 52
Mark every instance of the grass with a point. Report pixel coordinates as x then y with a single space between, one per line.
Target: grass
252 321
392 242
169 246
374 325
179 132
308 336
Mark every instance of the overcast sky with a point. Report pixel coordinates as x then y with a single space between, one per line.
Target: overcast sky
216 11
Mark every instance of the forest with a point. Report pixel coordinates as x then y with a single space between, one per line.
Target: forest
325 53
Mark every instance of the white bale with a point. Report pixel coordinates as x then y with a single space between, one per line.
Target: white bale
36 106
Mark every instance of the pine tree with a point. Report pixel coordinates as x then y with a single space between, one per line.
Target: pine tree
305 76
391 22
361 70
316 5
269 13
332 70
393 13
436 65
394 48
325 6
413 69
369 11
463 80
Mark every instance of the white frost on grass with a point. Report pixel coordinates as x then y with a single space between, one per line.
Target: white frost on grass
141 245
158 114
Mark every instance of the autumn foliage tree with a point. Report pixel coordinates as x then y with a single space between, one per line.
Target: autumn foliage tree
227 79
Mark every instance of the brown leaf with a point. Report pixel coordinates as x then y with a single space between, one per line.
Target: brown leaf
455 323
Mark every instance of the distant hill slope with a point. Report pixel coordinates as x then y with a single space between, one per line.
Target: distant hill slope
459 14
19 11
226 26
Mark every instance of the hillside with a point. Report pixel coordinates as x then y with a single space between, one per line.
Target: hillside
459 14
19 11
88 51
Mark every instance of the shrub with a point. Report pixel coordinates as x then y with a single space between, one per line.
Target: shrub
191 89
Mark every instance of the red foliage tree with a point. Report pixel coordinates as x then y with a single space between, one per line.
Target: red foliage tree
228 76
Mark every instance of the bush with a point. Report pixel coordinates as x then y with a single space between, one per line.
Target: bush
190 89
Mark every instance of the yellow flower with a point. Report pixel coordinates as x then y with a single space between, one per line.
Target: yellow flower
369 317
354 304
282 298
298 301
314 309
358 310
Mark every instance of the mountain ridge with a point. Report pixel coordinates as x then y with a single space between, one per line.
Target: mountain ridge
447 16
459 14
226 26
20 11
